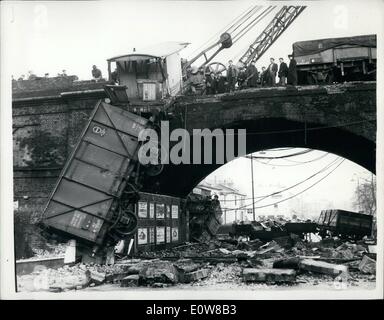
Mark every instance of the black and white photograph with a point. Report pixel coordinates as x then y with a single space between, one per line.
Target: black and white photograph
191 150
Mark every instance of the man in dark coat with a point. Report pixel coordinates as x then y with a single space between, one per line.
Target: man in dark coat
115 77
272 71
252 75
263 77
220 79
283 72
292 71
241 78
232 74
210 83
96 73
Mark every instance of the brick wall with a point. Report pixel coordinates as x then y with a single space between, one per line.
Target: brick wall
44 134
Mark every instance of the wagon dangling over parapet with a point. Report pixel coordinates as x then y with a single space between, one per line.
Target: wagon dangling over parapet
98 183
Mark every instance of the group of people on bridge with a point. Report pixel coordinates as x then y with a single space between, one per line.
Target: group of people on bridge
237 78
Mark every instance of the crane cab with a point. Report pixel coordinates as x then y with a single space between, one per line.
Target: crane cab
149 75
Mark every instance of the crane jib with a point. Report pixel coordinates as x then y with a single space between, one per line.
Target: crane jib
270 34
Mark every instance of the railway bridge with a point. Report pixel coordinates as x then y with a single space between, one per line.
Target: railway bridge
339 118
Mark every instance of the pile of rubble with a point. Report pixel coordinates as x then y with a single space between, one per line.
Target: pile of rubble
50 251
215 262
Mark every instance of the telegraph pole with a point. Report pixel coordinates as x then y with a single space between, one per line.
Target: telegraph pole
253 191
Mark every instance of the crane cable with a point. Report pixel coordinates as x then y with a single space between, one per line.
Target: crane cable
226 29
252 12
239 22
252 24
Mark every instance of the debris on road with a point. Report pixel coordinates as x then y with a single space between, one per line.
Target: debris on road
322 267
158 272
130 281
367 265
196 275
289 263
269 275
236 262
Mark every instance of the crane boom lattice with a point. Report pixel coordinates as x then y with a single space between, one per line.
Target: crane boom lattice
271 33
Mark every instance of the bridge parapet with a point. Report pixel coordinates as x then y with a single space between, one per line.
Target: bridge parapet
351 105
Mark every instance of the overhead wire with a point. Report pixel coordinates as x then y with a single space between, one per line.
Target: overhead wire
306 189
284 156
298 183
300 130
280 149
293 196
312 128
296 163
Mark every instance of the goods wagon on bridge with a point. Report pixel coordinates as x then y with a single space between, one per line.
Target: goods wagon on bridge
336 59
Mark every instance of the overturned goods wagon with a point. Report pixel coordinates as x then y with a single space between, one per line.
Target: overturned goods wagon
345 224
97 185
336 59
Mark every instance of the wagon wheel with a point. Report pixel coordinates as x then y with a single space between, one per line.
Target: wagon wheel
330 77
311 80
155 167
129 195
127 223
154 170
216 68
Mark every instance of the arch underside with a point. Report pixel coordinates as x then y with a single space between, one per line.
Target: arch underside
179 180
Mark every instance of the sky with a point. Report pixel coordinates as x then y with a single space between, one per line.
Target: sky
74 35
47 37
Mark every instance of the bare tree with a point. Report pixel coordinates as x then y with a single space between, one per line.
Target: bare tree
365 196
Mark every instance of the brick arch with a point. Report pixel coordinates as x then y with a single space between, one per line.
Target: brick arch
179 180
343 125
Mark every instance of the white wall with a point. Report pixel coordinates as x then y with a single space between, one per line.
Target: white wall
231 208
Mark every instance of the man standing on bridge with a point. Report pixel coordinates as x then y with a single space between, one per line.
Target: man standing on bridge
283 72
263 77
272 70
96 73
252 75
231 76
292 71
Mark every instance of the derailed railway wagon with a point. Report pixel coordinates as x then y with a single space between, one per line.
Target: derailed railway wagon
336 59
345 224
92 197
